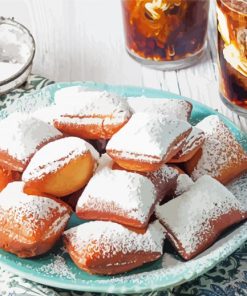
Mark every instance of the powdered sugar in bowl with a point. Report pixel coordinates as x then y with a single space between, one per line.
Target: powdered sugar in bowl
17 48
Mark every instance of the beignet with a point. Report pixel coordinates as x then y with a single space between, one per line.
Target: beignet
221 156
22 135
164 179
147 141
61 167
109 248
173 108
196 218
193 143
30 225
90 114
119 196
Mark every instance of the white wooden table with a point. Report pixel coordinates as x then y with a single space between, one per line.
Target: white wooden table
83 40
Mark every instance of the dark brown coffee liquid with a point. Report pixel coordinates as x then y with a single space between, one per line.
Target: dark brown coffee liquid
232 49
171 31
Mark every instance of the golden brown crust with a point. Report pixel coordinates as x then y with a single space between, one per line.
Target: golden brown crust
16 239
226 174
185 157
72 176
89 131
95 214
133 163
27 250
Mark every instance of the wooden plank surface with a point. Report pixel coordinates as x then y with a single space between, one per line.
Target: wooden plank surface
83 40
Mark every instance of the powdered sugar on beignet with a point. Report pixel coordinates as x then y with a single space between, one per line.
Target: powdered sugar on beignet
82 106
105 161
47 114
118 196
221 156
173 108
184 182
196 218
56 155
23 134
28 211
74 94
164 181
147 137
111 238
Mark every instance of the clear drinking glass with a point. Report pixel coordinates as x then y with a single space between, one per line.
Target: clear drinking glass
232 53
165 34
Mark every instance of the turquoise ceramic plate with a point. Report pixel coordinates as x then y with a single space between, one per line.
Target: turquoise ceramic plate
57 270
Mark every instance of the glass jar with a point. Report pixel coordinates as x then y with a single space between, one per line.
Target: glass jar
232 53
165 34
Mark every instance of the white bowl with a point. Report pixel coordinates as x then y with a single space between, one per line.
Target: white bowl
17 49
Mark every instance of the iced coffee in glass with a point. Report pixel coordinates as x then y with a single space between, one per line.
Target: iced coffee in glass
165 34
232 51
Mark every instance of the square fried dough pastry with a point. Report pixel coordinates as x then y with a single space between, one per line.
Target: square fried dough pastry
221 156
90 114
30 225
21 136
61 167
164 179
105 248
172 108
119 196
196 218
147 141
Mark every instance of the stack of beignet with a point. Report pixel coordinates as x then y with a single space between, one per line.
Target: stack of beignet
155 180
